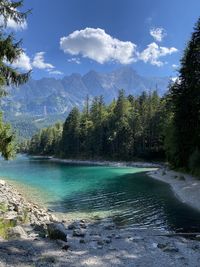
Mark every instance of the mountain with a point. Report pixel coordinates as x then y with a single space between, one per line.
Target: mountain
48 99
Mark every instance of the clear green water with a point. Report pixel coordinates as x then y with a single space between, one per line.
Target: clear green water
78 191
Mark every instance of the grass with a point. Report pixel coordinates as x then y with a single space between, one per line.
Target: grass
4 228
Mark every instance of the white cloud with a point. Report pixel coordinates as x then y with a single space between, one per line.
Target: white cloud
158 34
153 52
97 45
23 62
38 62
55 72
175 66
74 60
11 24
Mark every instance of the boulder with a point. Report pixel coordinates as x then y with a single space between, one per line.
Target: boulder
57 231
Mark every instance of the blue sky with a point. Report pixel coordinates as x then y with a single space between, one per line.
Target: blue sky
65 36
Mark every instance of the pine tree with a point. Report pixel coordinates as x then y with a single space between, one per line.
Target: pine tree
10 51
185 101
70 142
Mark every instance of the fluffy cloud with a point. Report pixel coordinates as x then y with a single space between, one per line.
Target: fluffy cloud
11 24
153 52
23 62
38 62
74 60
97 45
158 34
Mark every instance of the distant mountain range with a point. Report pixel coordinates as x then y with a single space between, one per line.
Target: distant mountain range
56 96
46 100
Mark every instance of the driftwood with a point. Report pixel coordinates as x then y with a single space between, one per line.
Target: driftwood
179 234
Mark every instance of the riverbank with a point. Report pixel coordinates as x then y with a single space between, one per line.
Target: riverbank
35 237
185 186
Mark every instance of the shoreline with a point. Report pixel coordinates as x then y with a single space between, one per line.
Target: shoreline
138 164
185 186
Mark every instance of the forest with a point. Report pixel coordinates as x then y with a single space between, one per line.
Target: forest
144 127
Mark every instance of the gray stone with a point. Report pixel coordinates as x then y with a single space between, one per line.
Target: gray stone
74 225
107 240
78 233
63 244
57 231
109 226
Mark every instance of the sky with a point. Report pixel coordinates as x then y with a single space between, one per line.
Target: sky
66 36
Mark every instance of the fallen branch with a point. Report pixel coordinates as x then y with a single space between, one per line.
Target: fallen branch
179 234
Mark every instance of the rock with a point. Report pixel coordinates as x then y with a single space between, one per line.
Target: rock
63 244
100 242
82 241
107 240
161 245
83 225
57 231
109 226
170 249
167 247
78 233
2 183
17 232
74 225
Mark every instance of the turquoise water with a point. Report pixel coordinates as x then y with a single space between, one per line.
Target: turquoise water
81 191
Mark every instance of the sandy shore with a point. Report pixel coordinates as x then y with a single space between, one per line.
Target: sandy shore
185 187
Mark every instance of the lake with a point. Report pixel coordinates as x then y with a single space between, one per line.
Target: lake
81 191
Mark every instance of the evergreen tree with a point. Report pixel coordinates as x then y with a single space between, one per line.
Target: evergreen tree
184 98
70 142
10 51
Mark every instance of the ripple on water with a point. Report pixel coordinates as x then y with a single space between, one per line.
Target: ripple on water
78 191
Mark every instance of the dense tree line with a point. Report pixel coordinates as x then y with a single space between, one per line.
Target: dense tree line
129 127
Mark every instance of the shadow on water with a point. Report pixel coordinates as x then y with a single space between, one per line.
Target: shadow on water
134 200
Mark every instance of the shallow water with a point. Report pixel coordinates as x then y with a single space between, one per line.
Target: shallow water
82 191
